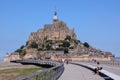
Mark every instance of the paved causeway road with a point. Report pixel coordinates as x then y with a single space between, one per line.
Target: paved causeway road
74 72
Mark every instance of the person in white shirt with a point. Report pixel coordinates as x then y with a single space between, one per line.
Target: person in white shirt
99 67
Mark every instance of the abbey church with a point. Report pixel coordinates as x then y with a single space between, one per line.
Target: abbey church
56 31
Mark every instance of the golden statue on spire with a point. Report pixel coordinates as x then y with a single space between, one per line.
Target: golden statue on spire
55 15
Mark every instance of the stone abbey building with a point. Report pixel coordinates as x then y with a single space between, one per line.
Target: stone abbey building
56 31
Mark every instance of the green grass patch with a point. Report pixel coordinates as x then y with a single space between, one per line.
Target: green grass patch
11 74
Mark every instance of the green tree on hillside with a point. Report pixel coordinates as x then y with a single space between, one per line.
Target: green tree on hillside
27 43
66 43
68 37
34 45
22 53
22 47
65 50
86 44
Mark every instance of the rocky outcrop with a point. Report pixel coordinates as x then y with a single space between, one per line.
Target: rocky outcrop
82 50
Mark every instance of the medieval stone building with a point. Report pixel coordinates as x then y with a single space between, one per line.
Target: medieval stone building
56 31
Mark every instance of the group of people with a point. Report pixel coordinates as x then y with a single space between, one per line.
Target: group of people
64 60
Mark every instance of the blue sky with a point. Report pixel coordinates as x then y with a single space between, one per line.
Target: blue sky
95 21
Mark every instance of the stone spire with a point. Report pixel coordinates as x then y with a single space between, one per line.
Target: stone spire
55 16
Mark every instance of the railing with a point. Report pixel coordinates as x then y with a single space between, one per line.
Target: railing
52 73
112 63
